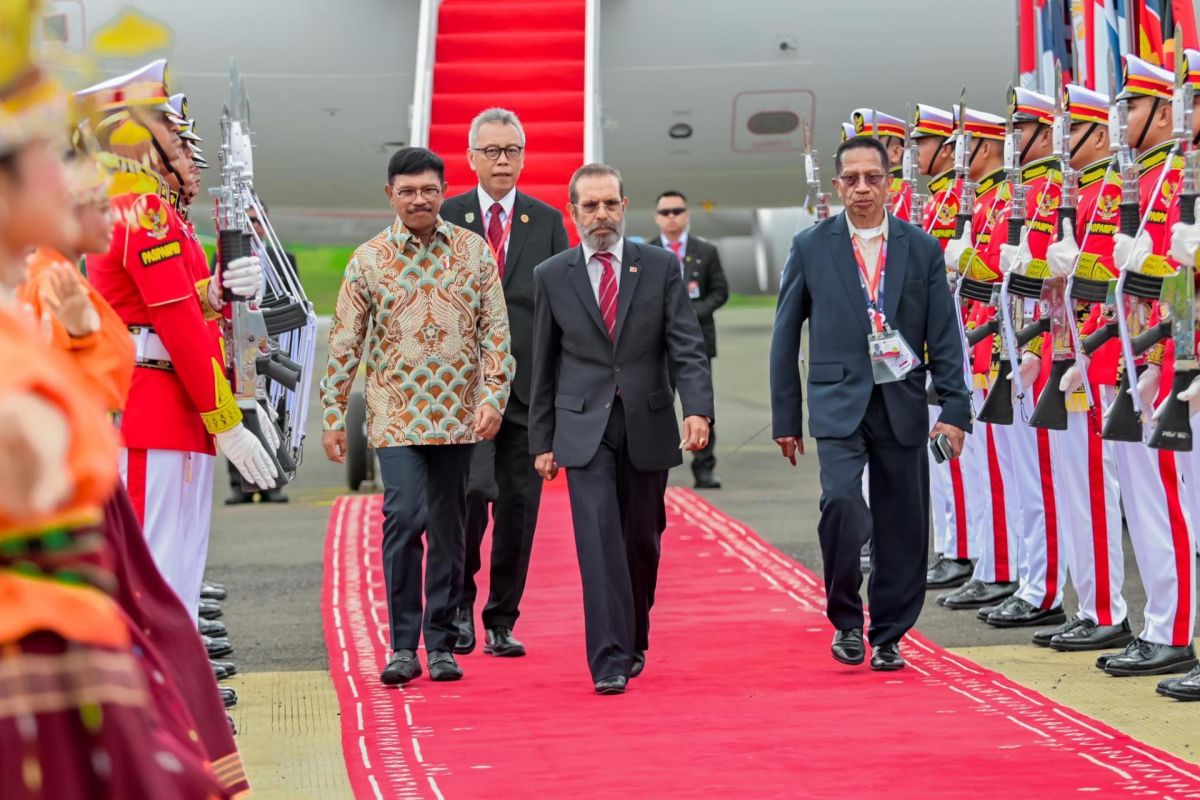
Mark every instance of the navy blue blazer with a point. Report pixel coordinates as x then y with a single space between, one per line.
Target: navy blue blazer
821 285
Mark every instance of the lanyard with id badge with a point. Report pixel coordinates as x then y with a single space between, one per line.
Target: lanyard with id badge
891 357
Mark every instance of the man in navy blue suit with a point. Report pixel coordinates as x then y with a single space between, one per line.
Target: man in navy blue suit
873 290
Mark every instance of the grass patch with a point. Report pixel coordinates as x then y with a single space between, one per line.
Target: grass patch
750 301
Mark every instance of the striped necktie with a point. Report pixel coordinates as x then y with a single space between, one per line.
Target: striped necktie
608 293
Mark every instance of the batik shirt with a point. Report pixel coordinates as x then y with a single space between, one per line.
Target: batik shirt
435 328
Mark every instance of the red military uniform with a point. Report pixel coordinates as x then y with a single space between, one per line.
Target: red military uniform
991 201
1098 218
150 278
941 209
900 195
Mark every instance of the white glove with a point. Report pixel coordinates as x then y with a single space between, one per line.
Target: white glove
1129 254
1185 239
1191 396
956 247
1030 367
1016 258
1147 385
243 277
1072 379
267 421
1063 255
246 453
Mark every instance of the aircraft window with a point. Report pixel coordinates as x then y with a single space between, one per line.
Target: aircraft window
773 123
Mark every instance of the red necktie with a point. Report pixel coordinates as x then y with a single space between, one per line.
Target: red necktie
608 294
495 233
675 247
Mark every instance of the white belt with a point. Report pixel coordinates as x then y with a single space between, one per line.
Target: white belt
150 349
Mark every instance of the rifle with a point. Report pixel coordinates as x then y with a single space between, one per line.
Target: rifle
908 170
1136 293
962 168
1050 411
812 173
252 354
998 407
1174 429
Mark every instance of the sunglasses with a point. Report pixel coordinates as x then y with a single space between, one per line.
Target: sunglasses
871 179
671 212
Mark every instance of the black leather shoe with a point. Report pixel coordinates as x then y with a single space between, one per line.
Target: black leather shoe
1019 613
232 726
228 696
985 612
210 627
217 648
887 658
613 685
638 663
706 480
977 594
864 557
239 498
401 668
500 642
1152 659
848 646
212 591
223 669
1186 688
443 667
210 609
273 496
947 573
1090 636
465 642
1131 647
1042 638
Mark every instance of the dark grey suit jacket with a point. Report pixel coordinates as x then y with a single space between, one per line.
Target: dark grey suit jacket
821 285
702 266
577 370
529 244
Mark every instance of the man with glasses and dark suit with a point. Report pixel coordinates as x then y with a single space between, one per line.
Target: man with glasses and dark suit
700 268
522 233
873 291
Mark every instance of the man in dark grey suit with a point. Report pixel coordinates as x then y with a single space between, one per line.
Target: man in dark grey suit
700 267
859 274
523 232
612 328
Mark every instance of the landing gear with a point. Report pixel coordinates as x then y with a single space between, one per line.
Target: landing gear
360 458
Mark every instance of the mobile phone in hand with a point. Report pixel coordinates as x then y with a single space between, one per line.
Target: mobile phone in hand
940 447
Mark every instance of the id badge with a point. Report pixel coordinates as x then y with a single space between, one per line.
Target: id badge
694 290
891 357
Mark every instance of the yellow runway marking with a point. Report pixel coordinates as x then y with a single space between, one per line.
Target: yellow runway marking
289 733
1128 704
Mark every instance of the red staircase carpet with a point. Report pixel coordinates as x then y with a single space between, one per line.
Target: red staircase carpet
526 56
740 697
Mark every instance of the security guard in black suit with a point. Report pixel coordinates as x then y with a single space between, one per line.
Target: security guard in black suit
708 290
523 232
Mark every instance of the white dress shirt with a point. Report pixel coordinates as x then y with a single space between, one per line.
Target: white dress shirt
870 243
506 208
595 268
683 239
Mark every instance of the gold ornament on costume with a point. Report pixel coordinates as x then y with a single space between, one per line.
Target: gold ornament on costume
131 35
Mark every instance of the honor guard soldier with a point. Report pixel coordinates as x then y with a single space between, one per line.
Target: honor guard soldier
1184 240
1087 491
958 518
180 398
891 132
995 573
1041 567
1152 490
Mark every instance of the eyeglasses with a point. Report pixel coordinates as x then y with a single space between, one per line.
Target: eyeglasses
512 152
407 195
671 212
611 206
871 179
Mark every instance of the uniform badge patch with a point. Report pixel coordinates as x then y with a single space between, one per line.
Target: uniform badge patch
152 218
159 253
470 217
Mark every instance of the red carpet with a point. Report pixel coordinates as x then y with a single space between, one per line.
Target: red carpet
740 697
526 56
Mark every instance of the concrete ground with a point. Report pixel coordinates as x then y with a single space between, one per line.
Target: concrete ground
270 558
